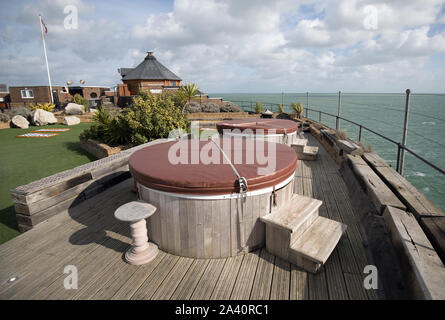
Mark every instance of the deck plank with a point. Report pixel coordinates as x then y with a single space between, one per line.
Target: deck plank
281 280
154 280
171 282
226 281
299 284
126 291
188 283
263 278
207 283
246 276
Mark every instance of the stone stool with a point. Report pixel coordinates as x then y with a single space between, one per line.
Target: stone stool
135 213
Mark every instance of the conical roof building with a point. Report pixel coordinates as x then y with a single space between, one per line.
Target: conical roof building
149 75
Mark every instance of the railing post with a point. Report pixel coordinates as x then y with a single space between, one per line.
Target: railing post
307 102
398 157
337 124
319 116
405 130
360 134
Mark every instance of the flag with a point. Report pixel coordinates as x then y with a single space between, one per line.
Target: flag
43 23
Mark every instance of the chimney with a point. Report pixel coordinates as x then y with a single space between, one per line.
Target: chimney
150 55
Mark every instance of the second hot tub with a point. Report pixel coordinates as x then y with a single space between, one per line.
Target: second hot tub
273 130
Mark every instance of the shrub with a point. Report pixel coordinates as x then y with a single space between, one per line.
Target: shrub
192 107
149 117
4 117
78 99
47 106
280 108
20 111
210 107
341 134
230 107
258 107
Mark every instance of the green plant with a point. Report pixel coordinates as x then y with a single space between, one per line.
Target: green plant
188 91
149 117
78 99
47 106
258 107
280 107
298 109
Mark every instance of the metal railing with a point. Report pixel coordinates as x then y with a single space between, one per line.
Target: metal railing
401 146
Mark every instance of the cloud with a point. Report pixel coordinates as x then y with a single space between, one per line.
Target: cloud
251 45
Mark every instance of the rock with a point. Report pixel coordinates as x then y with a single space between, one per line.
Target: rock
41 117
71 120
73 108
93 110
20 122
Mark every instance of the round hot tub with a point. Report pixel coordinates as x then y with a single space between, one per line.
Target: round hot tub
274 130
201 210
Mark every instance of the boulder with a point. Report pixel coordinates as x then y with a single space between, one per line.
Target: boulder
71 120
41 117
20 122
74 108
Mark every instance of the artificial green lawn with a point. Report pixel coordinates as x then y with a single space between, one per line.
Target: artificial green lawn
23 160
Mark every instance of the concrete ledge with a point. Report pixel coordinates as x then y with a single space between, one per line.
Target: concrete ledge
379 193
422 268
39 200
98 149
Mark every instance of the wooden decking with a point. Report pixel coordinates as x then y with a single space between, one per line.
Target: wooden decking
90 238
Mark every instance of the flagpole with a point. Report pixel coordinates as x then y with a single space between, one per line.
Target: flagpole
46 60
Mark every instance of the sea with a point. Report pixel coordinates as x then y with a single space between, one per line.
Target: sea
383 113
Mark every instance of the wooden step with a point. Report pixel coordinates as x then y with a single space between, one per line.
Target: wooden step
313 248
308 153
299 144
292 216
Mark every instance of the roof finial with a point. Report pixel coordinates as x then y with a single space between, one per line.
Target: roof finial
150 55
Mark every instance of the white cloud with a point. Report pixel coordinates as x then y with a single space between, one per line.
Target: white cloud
236 45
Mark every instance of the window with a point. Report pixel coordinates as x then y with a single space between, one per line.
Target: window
173 83
93 95
27 94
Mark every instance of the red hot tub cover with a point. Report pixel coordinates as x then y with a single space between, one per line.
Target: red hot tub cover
151 167
280 126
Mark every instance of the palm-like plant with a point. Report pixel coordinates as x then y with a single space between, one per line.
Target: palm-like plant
258 107
298 108
188 91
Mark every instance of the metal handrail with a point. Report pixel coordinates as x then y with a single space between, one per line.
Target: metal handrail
400 147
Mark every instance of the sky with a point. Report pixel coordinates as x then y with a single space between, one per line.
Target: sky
230 46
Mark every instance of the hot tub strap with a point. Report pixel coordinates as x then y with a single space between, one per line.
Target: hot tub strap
274 196
242 182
